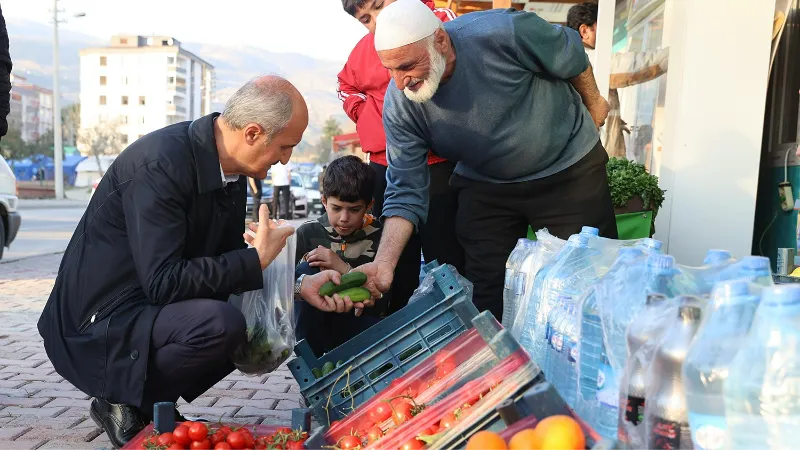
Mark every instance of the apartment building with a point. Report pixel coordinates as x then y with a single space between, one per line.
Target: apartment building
139 84
31 108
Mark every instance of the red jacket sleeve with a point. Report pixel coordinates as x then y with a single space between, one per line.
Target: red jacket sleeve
349 93
444 14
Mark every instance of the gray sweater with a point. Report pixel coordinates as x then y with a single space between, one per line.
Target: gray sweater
507 114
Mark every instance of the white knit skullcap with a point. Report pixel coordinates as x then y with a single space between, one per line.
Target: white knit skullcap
404 22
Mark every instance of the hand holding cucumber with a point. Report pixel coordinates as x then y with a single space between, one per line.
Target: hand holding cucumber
380 275
325 291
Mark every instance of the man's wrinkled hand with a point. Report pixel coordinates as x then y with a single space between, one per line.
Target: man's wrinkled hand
309 291
599 110
270 238
380 275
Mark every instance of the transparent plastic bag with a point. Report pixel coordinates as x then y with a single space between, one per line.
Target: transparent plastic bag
427 285
269 313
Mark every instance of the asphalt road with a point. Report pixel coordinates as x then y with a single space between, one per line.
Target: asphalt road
48 230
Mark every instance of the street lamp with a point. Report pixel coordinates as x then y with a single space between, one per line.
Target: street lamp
58 150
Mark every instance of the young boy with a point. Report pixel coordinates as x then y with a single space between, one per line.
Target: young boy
343 238
362 85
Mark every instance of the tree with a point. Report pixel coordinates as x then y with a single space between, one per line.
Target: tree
103 139
330 129
12 147
70 123
43 145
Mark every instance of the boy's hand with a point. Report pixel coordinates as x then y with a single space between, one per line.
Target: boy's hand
309 291
327 259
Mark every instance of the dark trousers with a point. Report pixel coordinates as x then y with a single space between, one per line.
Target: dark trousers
255 189
191 345
281 197
491 217
324 331
436 239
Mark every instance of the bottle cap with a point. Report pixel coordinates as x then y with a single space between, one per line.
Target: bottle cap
755 262
716 256
781 295
661 262
735 288
590 230
651 243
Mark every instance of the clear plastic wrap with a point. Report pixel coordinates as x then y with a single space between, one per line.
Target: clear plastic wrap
427 285
723 332
269 313
511 292
547 246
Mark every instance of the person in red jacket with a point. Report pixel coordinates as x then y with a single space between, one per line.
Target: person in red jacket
362 85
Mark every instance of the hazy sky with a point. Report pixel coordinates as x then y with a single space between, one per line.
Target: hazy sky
324 31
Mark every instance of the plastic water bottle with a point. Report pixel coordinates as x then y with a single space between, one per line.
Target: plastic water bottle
762 392
511 285
728 320
562 280
755 269
667 417
590 231
598 401
650 245
646 329
566 370
716 256
555 342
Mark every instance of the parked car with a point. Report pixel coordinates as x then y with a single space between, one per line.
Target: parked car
10 219
311 183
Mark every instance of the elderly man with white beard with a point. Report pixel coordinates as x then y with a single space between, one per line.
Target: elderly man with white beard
512 100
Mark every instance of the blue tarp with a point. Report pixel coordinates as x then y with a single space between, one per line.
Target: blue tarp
26 169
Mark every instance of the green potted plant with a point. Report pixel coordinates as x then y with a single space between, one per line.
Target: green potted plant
635 195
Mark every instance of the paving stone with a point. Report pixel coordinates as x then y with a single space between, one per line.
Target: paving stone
224 384
235 393
277 418
260 395
208 413
70 435
19 363
287 405
80 411
198 402
21 401
11 433
9 384
32 411
35 377
261 404
250 411
54 422
21 444
274 387
67 445
76 395
21 392
49 386
245 378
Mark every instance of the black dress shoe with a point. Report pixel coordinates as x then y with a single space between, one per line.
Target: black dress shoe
120 422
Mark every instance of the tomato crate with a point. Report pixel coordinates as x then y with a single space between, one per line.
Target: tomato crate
387 350
301 421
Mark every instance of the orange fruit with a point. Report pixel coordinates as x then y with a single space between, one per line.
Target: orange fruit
525 440
559 433
486 440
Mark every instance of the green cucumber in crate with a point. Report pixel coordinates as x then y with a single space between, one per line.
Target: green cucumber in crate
382 353
350 280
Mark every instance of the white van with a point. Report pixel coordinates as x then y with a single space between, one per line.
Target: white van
9 217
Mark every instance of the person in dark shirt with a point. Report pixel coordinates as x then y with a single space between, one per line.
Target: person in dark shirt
5 77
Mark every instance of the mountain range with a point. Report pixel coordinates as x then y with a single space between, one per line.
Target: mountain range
31 49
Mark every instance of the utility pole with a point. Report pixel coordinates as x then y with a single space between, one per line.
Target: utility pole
58 150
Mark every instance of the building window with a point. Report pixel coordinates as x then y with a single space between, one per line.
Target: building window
141 120
102 80
124 99
123 40
141 100
170 80
124 80
103 61
170 60
125 119
165 42
102 99
124 139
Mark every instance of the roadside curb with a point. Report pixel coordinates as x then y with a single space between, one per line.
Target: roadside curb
51 204
23 258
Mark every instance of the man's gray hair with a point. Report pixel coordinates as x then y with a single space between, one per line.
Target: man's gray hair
266 101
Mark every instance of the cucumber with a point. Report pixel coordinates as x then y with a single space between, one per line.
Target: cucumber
350 280
356 294
327 368
339 363
316 372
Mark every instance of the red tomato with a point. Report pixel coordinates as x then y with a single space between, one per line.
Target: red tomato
165 439
216 438
414 444
222 446
448 420
205 444
402 413
380 412
295 445
226 430
445 364
430 431
374 433
181 435
249 440
236 440
198 431
176 446
349 442
284 430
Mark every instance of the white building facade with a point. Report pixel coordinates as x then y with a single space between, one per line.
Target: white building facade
142 83
31 109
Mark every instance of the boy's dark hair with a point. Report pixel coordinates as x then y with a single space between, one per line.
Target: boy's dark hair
582 14
349 179
351 6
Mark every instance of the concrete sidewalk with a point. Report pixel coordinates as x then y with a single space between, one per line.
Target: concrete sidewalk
40 410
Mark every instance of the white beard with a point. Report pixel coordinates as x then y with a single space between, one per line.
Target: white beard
428 87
